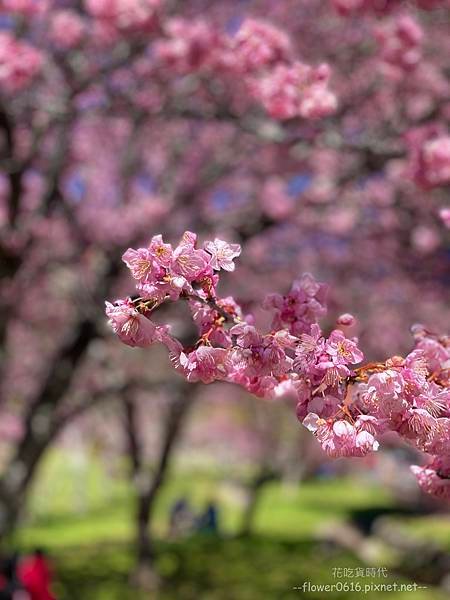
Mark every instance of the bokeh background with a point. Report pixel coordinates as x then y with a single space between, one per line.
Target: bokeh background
121 119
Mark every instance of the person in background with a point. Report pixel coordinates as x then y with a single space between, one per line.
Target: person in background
181 518
208 521
10 586
36 576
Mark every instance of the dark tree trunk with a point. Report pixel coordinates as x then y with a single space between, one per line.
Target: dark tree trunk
149 483
256 486
41 421
40 426
13 489
144 548
16 481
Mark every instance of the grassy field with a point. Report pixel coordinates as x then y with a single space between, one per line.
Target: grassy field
83 518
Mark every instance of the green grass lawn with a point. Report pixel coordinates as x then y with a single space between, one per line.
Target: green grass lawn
86 526
216 569
428 527
68 508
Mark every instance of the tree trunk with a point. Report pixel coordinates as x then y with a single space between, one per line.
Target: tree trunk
261 478
16 480
41 421
148 484
40 427
14 489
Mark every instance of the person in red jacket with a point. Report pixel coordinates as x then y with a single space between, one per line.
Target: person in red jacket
36 576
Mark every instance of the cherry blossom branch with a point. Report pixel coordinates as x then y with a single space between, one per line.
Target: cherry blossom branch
346 407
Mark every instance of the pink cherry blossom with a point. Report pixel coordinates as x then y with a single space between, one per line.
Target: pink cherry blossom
206 364
20 63
301 307
296 90
67 29
365 443
346 7
432 482
342 350
141 264
259 44
125 14
26 8
336 438
190 46
400 42
346 320
436 161
429 156
132 327
222 254
257 355
189 262
444 213
161 252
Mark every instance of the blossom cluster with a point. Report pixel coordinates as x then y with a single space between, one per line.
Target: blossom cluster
260 54
346 407
444 213
67 29
258 59
400 42
19 63
25 8
429 156
296 90
435 159
188 46
125 15
350 7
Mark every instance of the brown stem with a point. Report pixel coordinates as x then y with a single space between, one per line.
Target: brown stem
211 302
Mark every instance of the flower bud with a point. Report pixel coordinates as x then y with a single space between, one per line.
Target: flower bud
347 320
